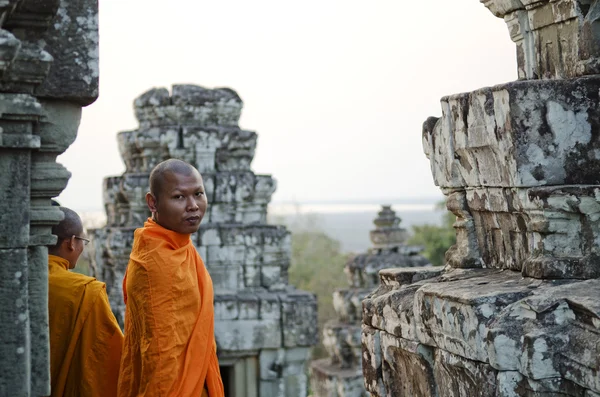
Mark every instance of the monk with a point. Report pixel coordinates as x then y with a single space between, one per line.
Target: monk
85 338
169 347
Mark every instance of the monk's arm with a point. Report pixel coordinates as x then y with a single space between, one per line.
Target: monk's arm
149 298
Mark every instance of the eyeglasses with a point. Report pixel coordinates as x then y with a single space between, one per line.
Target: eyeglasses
85 240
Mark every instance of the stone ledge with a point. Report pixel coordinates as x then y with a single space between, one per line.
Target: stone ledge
397 367
540 330
399 276
519 134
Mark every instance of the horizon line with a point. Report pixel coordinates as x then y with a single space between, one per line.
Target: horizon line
389 201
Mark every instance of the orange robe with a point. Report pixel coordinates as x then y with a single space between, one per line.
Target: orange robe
169 347
85 338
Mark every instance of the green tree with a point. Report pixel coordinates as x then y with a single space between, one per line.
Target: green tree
435 239
317 266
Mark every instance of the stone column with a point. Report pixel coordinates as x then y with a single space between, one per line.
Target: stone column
516 310
48 71
263 326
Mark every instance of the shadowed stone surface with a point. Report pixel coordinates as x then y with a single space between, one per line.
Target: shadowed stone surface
259 317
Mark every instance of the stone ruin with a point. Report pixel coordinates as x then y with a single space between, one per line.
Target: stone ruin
263 326
48 72
516 311
340 375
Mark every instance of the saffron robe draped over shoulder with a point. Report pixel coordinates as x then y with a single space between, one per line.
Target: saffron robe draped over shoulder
169 347
85 338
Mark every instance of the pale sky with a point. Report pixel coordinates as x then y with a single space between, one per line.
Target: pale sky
336 90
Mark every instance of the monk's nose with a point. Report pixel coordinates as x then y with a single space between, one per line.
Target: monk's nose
192 205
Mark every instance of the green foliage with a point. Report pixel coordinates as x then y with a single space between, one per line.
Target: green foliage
435 239
317 266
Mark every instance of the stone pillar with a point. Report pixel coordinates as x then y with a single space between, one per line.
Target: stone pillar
516 311
264 327
340 375
48 71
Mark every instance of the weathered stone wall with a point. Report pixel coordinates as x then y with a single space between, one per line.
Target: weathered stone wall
263 326
48 71
554 38
340 375
516 310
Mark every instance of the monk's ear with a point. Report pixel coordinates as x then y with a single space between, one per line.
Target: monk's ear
70 243
151 201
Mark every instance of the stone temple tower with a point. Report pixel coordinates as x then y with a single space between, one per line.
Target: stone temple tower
340 375
264 327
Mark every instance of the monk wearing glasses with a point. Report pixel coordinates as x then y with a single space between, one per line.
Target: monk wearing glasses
169 348
85 338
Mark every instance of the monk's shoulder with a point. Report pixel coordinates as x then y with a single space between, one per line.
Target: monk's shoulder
96 287
73 289
69 280
149 253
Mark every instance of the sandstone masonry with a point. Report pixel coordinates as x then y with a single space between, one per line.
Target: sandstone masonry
48 71
516 311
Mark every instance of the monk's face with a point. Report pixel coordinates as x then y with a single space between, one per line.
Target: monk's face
181 202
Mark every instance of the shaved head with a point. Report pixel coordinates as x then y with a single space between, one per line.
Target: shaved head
71 225
177 199
174 166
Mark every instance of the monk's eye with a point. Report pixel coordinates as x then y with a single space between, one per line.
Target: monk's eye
198 194
178 197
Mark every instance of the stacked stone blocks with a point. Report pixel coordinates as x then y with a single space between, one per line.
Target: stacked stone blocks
515 311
